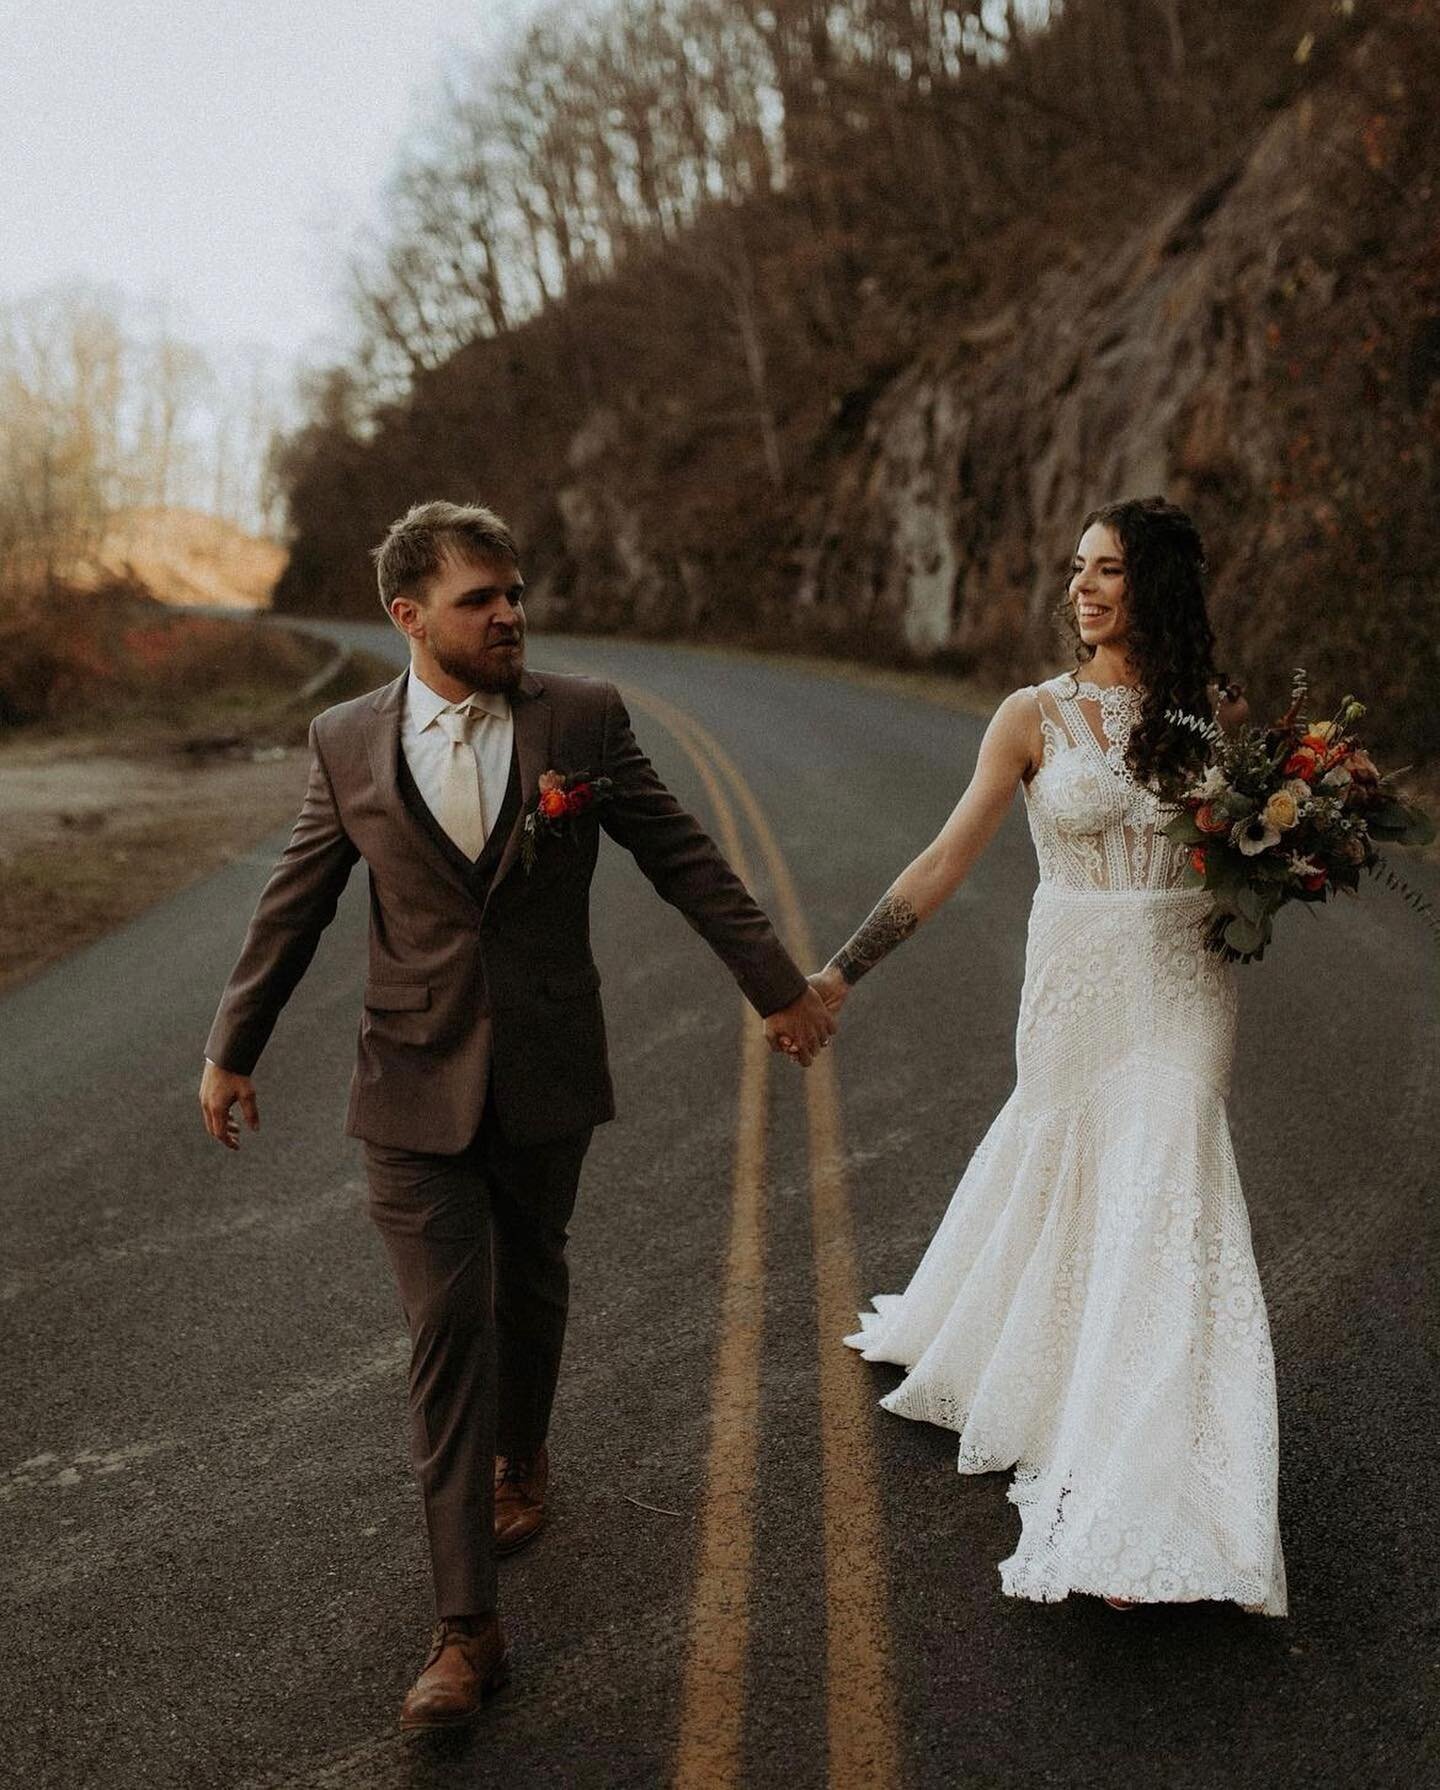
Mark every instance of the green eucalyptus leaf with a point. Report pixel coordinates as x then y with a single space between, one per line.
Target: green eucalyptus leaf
1250 903
1244 935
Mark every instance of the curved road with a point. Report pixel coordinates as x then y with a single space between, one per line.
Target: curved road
214 1570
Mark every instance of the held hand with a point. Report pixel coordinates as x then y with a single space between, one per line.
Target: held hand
802 1029
220 1089
831 987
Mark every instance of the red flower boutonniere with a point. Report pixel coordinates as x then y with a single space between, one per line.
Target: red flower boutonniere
563 796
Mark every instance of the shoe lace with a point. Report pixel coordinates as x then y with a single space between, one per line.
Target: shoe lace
447 1631
517 1470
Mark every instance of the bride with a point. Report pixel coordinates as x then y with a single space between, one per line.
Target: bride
1088 1312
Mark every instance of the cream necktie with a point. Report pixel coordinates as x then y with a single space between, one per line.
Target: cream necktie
462 810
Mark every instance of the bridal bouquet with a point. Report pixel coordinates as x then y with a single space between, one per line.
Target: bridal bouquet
1288 812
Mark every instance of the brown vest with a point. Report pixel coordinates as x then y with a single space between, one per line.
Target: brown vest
481 873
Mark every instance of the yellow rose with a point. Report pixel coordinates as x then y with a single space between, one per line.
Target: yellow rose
1321 730
1281 811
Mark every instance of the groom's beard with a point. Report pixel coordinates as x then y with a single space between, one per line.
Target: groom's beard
492 668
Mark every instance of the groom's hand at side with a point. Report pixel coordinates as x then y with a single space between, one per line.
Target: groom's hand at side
802 1029
220 1089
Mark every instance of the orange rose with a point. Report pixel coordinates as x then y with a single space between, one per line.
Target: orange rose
1210 820
554 804
1302 763
1197 859
1313 882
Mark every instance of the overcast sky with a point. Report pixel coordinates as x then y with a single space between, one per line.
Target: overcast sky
216 155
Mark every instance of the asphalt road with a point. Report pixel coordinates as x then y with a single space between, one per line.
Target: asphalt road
213 1568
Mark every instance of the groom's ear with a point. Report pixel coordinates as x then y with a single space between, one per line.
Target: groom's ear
408 616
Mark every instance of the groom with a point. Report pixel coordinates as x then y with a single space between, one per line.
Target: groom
481 1066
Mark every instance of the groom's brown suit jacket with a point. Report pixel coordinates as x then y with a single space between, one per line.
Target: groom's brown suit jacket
480 978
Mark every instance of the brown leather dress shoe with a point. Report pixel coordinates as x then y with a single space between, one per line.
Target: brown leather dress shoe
468 1661
520 1482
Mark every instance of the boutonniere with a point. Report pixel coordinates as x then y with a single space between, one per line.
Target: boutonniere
563 797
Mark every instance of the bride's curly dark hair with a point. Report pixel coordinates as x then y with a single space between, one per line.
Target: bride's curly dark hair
1169 640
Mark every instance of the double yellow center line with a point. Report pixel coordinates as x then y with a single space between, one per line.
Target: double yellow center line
861 1739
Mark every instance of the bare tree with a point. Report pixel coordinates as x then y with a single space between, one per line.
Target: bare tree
61 371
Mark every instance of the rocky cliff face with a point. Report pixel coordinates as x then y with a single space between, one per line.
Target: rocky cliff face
1265 350
891 455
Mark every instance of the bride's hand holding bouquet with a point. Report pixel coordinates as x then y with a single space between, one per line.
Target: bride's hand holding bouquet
1292 811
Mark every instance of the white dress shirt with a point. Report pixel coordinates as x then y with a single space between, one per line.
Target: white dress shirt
427 746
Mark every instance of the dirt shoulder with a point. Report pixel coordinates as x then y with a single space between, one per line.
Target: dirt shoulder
95 826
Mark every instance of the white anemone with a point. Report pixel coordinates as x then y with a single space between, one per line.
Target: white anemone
1254 836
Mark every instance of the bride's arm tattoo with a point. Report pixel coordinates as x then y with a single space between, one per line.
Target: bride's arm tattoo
890 923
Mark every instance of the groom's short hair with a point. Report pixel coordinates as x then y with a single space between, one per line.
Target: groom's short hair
416 546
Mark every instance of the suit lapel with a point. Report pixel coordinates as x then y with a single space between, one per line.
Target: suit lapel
383 743
533 717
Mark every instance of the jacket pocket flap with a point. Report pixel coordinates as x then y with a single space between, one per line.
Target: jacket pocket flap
392 997
564 985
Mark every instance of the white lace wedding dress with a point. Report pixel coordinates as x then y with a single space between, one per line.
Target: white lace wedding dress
1089 1311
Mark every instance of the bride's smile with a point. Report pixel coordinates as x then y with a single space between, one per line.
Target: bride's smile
1097 586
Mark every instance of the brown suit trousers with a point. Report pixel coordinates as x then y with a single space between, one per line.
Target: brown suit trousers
477 1242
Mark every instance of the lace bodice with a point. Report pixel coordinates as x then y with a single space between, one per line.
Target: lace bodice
1093 825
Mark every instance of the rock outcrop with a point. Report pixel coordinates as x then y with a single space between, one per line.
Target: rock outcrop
1264 350
1261 344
